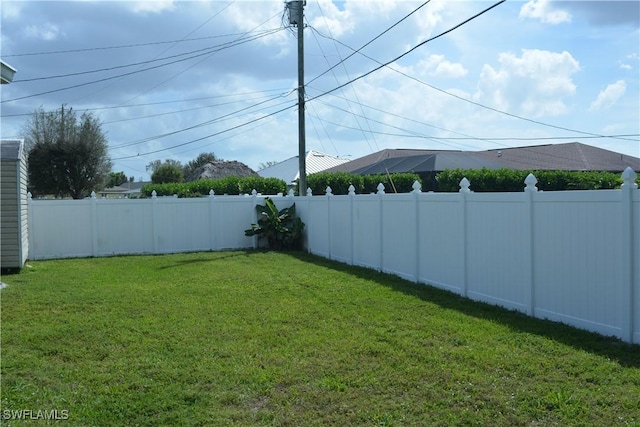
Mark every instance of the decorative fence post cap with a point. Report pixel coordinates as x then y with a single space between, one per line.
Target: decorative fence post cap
254 192
290 193
531 182
93 194
212 193
417 187
328 191
352 190
464 185
309 191
629 178
29 195
154 194
380 188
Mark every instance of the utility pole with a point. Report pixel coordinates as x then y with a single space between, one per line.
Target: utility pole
296 17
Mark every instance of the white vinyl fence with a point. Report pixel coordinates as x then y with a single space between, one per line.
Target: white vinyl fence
569 256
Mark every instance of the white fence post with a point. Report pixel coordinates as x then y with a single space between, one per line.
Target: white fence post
212 222
464 190
30 232
628 256
352 193
380 193
94 225
528 247
310 224
328 193
417 189
154 220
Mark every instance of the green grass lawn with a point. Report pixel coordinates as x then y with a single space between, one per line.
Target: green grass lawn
263 338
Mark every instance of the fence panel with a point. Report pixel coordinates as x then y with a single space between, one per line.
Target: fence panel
399 228
123 226
566 256
60 230
578 259
441 238
495 238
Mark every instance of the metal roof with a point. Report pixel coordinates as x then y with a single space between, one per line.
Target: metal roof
11 149
287 170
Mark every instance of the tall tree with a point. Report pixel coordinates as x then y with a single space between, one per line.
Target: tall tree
116 178
155 164
167 172
67 156
202 159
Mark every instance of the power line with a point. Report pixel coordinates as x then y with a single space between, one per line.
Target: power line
215 48
157 103
132 72
90 49
410 50
211 135
205 123
366 44
589 134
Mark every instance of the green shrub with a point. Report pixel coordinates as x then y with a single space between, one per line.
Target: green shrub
230 185
364 184
281 228
501 180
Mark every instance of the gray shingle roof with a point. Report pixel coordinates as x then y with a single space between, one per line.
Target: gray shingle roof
570 156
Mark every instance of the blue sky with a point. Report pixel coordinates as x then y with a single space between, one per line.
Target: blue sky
220 76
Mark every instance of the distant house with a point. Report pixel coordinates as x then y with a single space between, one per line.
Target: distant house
289 171
572 156
14 237
6 72
128 189
221 169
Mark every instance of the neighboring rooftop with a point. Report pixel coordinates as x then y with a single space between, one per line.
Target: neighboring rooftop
7 72
221 169
569 156
11 149
288 170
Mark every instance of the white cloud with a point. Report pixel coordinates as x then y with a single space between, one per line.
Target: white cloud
534 84
542 10
10 10
156 6
609 96
438 66
47 31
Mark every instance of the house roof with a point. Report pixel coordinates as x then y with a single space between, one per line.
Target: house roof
315 162
11 149
221 169
6 72
569 156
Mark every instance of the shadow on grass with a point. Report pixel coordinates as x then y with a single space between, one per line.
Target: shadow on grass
627 355
208 259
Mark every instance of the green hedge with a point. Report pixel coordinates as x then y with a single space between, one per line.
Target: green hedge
231 185
364 184
510 180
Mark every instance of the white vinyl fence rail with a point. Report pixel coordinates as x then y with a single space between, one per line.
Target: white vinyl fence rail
568 256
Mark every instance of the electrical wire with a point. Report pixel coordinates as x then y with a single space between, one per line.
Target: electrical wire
205 123
211 135
589 134
410 50
130 73
369 42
